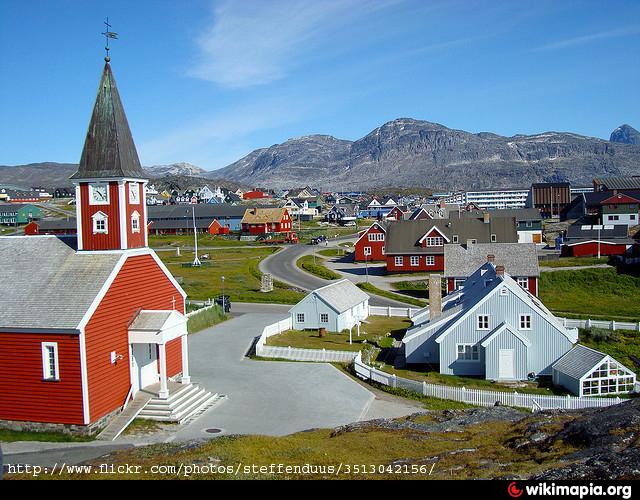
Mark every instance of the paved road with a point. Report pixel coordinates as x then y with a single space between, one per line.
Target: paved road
282 266
263 397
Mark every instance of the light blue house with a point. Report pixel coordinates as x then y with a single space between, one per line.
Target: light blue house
336 307
491 328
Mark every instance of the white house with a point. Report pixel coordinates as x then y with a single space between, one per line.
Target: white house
336 307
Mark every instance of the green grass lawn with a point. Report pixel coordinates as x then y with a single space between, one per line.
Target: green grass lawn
316 267
592 293
374 331
204 240
574 262
620 344
239 266
8 436
333 252
205 319
369 288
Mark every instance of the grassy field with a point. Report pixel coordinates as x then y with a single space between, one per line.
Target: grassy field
369 288
620 344
205 319
204 240
574 262
239 266
316 267
8 436
476 451
333 252
592 293
373 332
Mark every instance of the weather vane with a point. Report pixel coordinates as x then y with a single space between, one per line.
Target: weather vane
107 35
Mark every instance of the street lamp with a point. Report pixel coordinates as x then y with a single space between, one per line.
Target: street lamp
366 268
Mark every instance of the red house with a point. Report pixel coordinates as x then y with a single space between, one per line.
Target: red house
254 195
266 220
370 245
84 329
396 213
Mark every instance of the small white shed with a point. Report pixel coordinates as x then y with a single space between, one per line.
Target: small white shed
338 306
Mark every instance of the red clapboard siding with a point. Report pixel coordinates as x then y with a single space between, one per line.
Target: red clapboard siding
140 284
407 267
377 247
174 357
111 240
135 240
24 395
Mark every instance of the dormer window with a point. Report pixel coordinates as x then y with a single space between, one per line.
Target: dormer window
100 223
135 222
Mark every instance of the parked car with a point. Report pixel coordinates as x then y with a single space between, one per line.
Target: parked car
223 300
320 239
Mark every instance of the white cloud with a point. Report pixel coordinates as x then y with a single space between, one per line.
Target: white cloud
593 37
254 42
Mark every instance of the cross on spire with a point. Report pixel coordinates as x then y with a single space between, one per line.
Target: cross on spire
108 34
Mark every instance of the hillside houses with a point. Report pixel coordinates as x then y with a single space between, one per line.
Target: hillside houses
593 240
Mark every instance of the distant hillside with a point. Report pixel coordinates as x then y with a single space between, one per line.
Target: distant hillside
625 134
407 153
52 175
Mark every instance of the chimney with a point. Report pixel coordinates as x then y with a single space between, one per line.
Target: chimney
491 258
499 270
469 243
485 217
435 296
442 204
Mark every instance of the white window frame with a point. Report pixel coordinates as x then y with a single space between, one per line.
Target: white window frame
100 217
47 349
454 238
135 222
399 260
525 321
134 193
414 260
324 317
92 187
435 241
367 251
470 353
300 317
429 260
494 238
523 282
483 322
376 236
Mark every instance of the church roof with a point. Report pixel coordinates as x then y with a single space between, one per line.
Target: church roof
49 284
109 150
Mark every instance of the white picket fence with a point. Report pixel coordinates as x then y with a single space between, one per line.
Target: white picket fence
593 323
402 312
480 397
295 353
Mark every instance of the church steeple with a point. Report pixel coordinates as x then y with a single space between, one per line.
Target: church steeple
110 183
109 151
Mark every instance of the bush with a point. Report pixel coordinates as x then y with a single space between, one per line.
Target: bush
317 269
601 335
205 319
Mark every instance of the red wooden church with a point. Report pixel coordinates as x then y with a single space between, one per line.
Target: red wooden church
89 321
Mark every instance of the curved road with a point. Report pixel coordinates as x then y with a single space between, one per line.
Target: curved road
282 266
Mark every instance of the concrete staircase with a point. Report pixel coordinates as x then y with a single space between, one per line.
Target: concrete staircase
120 422
184 404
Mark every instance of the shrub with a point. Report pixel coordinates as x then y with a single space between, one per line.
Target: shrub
205 319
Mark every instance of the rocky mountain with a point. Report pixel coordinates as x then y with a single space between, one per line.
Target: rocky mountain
625 134
52 175
412 153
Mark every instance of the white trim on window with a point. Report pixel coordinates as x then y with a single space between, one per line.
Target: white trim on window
467 353
367 251
100 223
482 322
324 317
135 222
525 322
523 282
399 260
300 317
429 260
415 260
50 365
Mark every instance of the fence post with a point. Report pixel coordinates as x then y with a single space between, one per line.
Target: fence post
564 322
395 381
613 325
464 394
588 323
424 388
515 398
639 326
388 311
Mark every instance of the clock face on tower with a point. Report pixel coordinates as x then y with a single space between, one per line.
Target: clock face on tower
99 194
134 193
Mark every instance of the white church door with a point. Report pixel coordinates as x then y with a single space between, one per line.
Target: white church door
145 365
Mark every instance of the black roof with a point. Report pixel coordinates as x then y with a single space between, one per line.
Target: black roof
109 151
202 210
582 231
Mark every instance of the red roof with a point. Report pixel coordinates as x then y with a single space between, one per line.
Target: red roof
619 199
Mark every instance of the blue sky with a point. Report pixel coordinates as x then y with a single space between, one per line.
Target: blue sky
208 81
